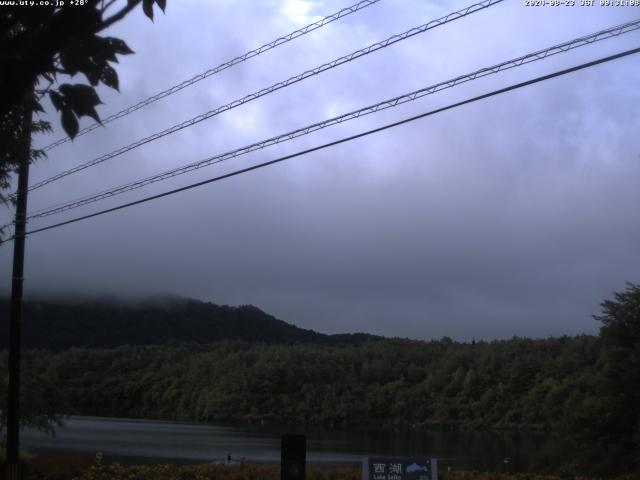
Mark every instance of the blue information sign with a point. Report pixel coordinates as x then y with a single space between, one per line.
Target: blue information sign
399 468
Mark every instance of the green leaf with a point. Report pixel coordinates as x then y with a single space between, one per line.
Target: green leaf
109 77
147 7
34 105
57 100
40 126
119 46
69 63
91 112
102 49
36 154
69 122
162 4
92 72
79 94
82 99
74 57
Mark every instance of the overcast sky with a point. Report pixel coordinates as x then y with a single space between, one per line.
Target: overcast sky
516 215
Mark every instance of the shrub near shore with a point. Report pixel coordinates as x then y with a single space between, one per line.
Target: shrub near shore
78 467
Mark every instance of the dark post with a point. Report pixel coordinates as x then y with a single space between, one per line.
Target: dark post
15 314
293 457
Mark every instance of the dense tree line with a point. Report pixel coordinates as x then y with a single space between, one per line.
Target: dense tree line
527 384
520 383
583 386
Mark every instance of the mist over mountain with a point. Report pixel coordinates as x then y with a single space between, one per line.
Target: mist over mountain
109 322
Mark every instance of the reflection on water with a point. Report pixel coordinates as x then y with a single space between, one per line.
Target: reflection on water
495 451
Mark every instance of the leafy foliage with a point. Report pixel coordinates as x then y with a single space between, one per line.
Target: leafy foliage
393 382
116 471
583 386
62 467
619 410
42 401
37 45
547 385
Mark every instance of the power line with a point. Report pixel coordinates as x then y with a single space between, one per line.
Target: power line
346 139
277 86
525 59
223 66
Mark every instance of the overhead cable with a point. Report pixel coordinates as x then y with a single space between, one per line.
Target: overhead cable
223 66
389 103
276 86
343 140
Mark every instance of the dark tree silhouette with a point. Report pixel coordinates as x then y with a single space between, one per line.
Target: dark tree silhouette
37 44
620 334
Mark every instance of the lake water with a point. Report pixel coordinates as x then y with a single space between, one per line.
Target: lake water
176 441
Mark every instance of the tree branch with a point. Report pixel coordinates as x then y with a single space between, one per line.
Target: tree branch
118 16
42 92
104 7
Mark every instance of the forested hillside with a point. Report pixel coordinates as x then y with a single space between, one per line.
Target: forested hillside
109 323
508 384
584 386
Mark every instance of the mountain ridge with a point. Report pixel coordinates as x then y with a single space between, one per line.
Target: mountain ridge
108 322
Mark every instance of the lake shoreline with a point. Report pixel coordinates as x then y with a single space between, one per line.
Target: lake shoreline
130 440
391 425
130 460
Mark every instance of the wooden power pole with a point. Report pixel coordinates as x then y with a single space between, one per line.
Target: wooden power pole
15 314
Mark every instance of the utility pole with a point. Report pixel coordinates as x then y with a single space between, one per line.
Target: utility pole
15 315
